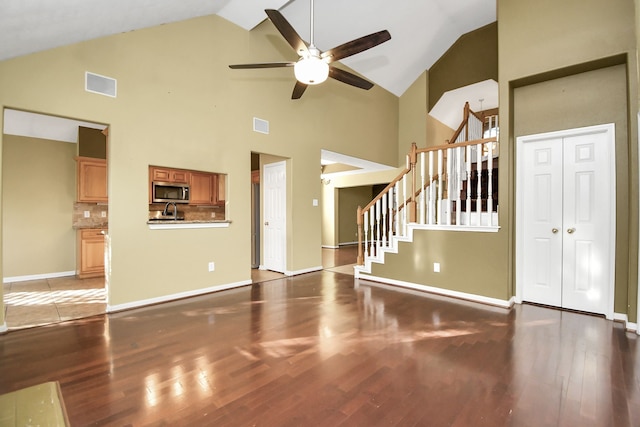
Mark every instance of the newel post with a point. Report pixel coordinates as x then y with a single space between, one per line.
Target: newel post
412 159
360 259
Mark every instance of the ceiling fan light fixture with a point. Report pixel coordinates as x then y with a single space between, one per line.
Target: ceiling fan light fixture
311 70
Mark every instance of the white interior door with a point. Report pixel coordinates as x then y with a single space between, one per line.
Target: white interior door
566 219
275 208
542 214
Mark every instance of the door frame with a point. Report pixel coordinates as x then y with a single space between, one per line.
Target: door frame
609 130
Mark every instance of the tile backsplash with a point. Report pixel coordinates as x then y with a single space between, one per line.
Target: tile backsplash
193 213
98 215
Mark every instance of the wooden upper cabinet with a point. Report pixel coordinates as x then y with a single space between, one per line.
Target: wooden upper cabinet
169 175
203 188
92 180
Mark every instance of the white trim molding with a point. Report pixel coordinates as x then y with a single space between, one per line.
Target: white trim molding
440 291
15 279
303 271
173 297
173 225
623 318
3 328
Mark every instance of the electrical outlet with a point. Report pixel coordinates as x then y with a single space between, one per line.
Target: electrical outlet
87 214
103 214
436 267
212 266
314 202
213 214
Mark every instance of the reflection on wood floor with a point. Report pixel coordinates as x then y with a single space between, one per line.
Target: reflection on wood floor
339 260
325 349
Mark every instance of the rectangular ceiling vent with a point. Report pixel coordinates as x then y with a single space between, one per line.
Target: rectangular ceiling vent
96 83
260 125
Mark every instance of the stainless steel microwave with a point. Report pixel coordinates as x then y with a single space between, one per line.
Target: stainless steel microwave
169 192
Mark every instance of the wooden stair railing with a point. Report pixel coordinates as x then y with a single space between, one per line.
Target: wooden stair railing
435 200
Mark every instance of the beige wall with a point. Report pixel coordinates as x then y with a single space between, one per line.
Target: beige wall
472 58
413 117
348 201
179 104
39 189
437 132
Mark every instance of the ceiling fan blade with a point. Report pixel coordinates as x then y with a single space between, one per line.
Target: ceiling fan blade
287 31
298 90
356 46
349 78
262 65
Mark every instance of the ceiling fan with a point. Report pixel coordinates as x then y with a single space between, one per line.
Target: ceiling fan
314 66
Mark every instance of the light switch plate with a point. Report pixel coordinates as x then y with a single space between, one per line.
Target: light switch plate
87 214
315 202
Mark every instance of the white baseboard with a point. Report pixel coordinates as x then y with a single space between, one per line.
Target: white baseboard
347 244
38 276
172 297
440 291
3 328
623 318
303 271
330 247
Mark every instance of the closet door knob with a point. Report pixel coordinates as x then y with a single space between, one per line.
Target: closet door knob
554 230
570 230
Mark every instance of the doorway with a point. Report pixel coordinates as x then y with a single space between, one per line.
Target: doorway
565 219
40 216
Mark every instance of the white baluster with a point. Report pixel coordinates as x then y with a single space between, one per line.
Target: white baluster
423 205
397 194
384 220
440 185
449 184
490 184
458 183
479 186
404 210
431 210
468 162
372 239
365 227
378 227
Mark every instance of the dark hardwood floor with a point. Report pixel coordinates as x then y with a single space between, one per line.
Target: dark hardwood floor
324 349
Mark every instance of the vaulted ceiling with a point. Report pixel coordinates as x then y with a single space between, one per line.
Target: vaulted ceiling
421 30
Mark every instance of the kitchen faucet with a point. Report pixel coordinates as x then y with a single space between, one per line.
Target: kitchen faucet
175 210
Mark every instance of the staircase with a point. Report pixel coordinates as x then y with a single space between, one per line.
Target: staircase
449 187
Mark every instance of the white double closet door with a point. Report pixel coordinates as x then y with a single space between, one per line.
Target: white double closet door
566 219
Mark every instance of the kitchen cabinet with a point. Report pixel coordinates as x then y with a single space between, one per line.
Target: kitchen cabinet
221 196
90 252
169 175
92 180
203 187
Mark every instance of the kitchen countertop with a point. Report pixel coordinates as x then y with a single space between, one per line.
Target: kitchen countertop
168 224
89 226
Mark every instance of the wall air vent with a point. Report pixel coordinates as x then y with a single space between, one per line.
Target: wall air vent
260 125
96 83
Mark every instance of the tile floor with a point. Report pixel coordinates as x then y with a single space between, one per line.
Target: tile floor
45 301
